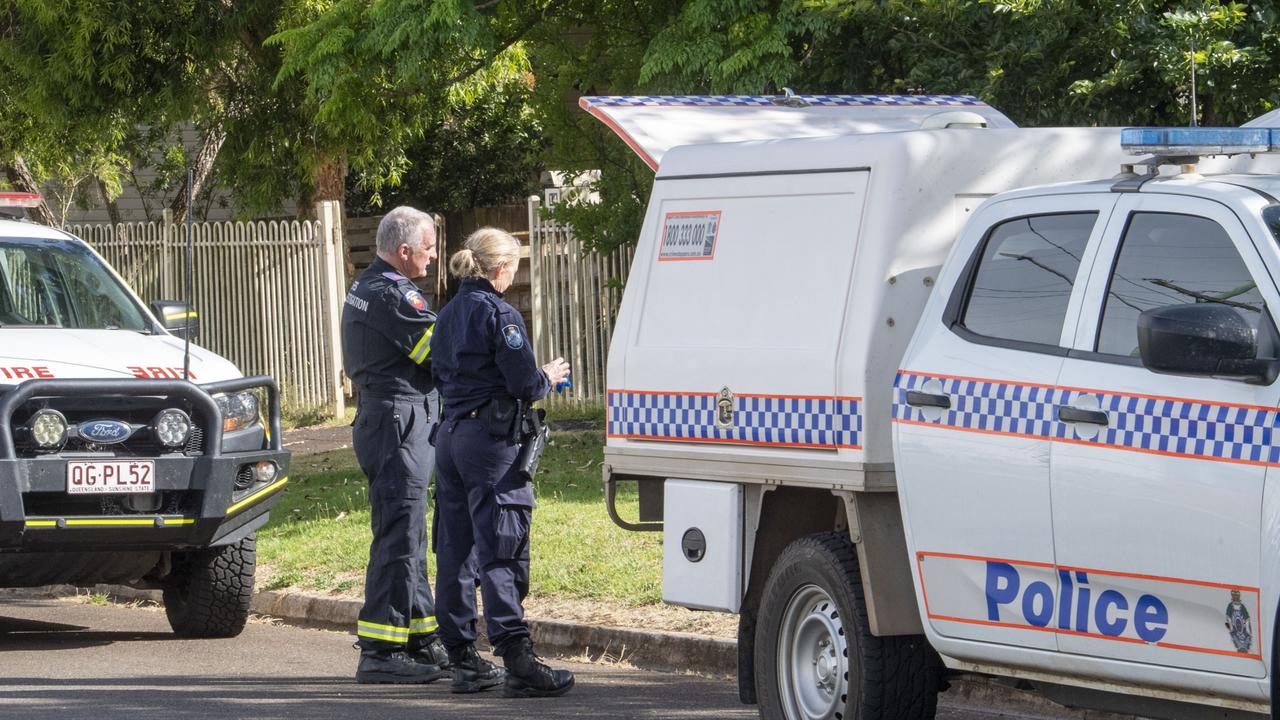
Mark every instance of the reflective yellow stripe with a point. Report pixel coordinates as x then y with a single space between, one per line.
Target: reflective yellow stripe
420 626
377 626
259 495
111 522
192 315
380 636
389 633
423 348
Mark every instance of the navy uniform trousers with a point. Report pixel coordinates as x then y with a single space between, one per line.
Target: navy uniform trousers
390 439
483 512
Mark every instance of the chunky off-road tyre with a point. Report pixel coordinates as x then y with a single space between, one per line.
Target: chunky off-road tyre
815 656
209 592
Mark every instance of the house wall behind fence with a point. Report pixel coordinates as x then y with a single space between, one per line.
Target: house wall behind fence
264 291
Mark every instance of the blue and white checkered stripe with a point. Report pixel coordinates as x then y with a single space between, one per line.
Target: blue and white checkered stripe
759 420
986 405
771 100
1186 427
1163 425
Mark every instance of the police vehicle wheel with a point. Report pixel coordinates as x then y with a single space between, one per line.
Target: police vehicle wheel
210 590
815 656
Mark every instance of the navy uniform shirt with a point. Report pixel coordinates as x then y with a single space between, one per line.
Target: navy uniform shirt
481 350
386 333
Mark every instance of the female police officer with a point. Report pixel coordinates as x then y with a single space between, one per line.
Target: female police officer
483 365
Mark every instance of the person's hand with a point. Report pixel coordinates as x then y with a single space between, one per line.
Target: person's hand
556 370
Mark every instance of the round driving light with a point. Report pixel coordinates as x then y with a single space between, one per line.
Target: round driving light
48 429
172 427
265 471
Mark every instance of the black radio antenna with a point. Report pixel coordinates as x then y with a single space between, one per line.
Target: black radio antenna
191 250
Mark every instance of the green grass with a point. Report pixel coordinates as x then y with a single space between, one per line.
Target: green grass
318 537
298 416
575 411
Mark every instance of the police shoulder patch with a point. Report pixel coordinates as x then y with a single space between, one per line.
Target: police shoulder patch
513 336
414 298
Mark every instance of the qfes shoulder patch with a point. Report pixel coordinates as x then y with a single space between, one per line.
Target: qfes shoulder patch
414 298
513 336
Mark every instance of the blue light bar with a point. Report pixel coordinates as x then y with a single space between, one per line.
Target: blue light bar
1199 141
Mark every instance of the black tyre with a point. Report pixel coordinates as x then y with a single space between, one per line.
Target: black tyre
815 656
209 592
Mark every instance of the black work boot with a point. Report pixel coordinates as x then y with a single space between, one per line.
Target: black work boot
431 652
472 673
386 666
527 676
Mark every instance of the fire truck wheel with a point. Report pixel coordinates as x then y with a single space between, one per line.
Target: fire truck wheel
815 656
209 591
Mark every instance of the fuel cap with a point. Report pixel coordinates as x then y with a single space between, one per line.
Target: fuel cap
694 544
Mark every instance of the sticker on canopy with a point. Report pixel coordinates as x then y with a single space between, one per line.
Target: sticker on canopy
690 235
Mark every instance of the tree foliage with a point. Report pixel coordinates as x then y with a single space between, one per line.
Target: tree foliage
442 102
1042 62
486 152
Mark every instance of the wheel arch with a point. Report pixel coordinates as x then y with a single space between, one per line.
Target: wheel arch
873 521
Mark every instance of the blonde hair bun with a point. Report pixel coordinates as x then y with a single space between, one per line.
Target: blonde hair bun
484 250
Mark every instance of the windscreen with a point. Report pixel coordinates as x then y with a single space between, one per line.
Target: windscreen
60 283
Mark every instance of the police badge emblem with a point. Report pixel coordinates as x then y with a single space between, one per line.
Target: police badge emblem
725 407
512 335
1238 625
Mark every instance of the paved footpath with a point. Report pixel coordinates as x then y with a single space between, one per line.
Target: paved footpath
70 660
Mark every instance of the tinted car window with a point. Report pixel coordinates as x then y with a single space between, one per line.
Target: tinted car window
1024 278
1170 259
55 283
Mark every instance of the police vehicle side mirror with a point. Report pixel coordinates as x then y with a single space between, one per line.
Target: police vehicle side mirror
1207 339
177 317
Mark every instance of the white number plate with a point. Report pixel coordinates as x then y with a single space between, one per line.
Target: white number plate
95 477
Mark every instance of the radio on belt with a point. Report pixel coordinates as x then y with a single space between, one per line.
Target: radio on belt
906 387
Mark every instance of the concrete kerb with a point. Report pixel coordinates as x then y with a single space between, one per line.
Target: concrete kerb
648 650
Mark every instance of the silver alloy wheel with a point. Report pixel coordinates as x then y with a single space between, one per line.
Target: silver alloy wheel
812 657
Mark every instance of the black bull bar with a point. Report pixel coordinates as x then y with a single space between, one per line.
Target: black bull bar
213 464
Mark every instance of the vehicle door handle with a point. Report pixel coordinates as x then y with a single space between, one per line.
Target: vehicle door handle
1066 413
916 398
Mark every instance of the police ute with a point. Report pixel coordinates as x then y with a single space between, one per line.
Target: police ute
127 455
925 397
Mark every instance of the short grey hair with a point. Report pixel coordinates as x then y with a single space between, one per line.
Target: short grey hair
403 226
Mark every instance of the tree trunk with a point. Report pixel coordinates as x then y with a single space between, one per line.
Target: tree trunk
209 148
19 175
1209 112
113 210
329 180
329 183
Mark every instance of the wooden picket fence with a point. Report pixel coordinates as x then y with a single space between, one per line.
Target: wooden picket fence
269 293
575 295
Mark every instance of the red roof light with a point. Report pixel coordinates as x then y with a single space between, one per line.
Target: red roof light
20 199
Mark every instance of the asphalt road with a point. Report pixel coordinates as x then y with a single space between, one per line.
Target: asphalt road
69 660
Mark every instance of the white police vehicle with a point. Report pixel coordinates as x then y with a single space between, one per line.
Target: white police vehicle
121 461
912 417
